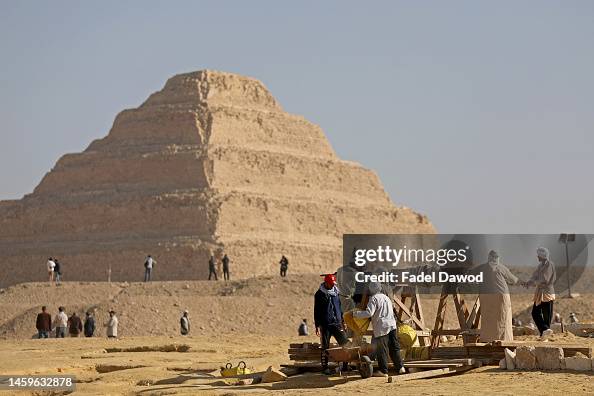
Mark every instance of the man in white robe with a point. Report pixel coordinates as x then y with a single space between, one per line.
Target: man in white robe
496 310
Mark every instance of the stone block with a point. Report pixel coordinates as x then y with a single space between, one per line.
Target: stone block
525 358
510 359
579 362
549 358
273 375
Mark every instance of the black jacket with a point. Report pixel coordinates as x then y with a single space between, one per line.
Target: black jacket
89 326
327 309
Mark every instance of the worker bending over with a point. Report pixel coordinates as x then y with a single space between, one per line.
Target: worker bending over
381 312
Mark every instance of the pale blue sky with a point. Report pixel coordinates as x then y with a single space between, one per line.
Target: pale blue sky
479 114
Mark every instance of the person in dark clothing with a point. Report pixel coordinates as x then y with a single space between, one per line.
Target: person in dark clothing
89 327
328 317
43 323
57 271
226 267
284 265
212 262
75 326
149 264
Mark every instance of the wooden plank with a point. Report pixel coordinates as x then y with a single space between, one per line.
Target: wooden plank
456 332
422 374
418 307
473 314
404 308
439 318
432 365
475 324
461 310
431 373
464 361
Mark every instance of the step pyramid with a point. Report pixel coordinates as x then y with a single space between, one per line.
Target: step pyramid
210 163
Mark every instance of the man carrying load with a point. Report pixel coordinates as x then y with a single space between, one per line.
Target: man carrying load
381 312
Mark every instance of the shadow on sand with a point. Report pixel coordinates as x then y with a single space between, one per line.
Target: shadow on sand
300 381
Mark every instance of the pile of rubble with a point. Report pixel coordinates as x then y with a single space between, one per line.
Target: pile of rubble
530 357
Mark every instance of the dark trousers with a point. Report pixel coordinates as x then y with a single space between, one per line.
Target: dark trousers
388 345
283 272
147 274
326 332
542 315
212 272
226 275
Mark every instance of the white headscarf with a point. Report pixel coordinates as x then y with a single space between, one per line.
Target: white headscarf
493 257
374 288
543 252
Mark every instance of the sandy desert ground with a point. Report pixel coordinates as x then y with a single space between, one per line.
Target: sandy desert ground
253 320
196 371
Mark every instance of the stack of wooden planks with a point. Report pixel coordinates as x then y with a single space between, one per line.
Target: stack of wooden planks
308 355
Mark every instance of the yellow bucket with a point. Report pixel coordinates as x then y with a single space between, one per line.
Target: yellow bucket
230 371
358 326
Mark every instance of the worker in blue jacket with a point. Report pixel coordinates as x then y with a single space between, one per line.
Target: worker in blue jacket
328 316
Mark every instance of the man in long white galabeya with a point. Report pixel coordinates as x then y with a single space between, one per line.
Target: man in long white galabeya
496 310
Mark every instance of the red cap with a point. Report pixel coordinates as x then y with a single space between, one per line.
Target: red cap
330 279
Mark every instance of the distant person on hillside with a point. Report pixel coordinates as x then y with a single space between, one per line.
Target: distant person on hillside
149 263
57 271
284 265
112 325
184 323
226 267
89 324
75 326
212 262
303 330
60 323
50 269
43 323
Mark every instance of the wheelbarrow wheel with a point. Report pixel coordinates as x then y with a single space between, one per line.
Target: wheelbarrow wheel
365 367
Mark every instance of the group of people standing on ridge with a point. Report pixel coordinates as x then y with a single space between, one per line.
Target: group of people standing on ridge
73 325
212 267
54 268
